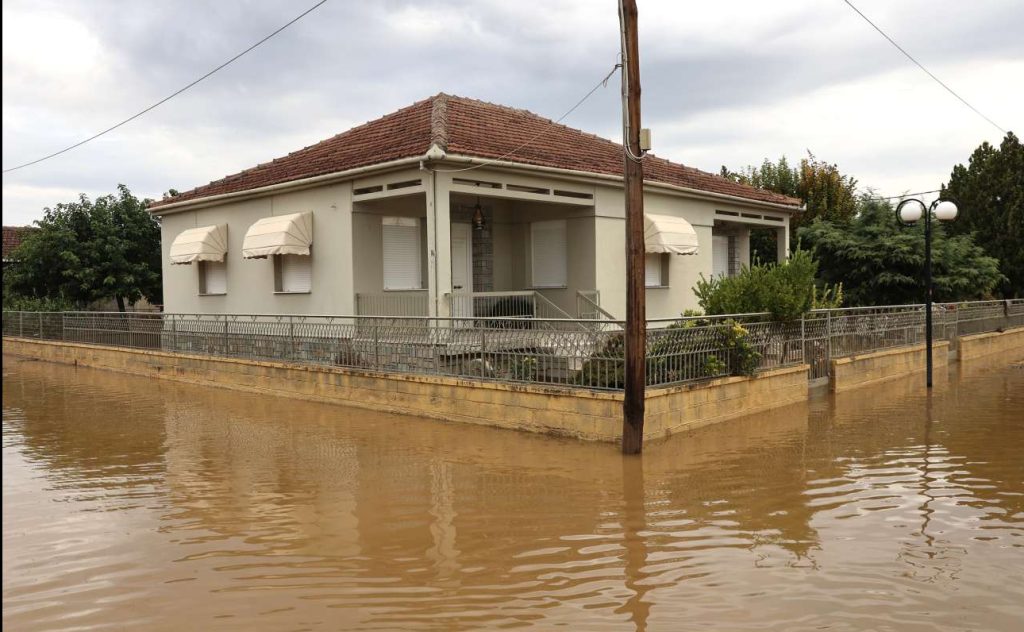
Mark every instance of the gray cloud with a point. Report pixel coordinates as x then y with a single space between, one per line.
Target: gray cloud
350 62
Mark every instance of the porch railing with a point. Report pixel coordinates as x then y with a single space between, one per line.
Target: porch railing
572 352
515 304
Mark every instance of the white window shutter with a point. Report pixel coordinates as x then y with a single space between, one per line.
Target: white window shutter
652 270
215 275
296 273
549 253
402 254
720 256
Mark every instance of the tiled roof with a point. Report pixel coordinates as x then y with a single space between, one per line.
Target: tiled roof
471 128
12 238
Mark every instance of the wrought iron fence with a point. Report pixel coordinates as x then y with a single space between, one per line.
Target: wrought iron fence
572 352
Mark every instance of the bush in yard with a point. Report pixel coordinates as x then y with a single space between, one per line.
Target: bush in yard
786 290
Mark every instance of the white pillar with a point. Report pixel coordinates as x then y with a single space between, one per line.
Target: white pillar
439 243
782 243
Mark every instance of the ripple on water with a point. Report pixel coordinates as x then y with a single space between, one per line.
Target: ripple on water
129 503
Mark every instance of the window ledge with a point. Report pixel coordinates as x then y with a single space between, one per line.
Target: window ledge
296 292
213 294
405 289
549 287
656 287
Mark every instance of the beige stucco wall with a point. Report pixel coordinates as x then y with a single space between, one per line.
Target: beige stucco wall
1008 343
250 282
868 369
590 415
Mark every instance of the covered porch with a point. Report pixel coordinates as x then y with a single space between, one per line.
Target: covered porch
474 245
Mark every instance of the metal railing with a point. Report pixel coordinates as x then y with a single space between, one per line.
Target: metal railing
588 306
573 352
514 304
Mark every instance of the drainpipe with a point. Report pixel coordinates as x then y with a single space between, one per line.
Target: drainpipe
434 153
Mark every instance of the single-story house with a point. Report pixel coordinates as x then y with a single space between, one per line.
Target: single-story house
12 238
453 207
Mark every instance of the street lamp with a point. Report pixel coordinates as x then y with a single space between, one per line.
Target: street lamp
908 213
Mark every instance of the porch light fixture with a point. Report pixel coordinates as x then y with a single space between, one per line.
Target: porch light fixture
908 213
478 216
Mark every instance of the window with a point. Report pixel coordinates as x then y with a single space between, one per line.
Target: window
213 278
548 251
293 274
656 270
402 253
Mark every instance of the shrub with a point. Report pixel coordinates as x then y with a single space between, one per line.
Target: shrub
785 290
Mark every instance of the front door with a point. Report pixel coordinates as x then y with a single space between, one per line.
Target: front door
462 270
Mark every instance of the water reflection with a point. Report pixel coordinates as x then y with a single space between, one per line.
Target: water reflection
861 511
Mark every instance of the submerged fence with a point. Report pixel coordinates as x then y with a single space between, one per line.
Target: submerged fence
581 353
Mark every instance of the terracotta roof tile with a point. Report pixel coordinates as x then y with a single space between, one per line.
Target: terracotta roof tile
12 236
471 128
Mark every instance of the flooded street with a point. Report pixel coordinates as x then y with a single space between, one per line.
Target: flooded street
131 503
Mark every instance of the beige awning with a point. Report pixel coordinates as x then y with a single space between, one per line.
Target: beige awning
206 243
280 235
667 234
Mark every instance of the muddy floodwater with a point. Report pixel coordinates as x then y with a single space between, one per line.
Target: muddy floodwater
139 504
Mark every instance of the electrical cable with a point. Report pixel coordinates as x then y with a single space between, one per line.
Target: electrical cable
919 65
171 96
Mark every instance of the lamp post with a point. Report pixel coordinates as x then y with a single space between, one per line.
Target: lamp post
909 212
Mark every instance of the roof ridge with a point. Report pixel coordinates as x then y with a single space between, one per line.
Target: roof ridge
439 121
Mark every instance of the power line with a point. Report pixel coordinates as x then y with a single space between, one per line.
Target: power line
904 195
919 65
170 96
603 82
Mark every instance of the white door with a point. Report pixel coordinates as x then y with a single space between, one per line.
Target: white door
462 270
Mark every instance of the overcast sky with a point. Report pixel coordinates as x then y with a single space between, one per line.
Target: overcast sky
724 83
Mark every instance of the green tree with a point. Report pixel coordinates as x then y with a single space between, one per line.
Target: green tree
990 193
91 250
880 262
824 190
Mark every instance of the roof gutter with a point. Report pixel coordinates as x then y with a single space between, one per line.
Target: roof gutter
589 175
270 189
435 154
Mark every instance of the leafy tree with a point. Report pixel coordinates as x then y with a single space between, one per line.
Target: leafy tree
91 250
825 192
786 290
880 262
990 193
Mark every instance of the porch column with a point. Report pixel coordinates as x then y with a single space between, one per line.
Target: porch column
782 243
439 243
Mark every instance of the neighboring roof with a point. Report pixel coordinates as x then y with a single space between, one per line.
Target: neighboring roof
474 128
12 237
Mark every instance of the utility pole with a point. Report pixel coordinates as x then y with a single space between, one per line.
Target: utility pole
633 181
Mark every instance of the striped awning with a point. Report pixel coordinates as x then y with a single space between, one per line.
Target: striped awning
667 234
279 235
206 243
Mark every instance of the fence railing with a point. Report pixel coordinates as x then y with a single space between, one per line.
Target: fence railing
573 352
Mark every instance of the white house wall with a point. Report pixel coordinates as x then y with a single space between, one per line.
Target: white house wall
250 282
684 270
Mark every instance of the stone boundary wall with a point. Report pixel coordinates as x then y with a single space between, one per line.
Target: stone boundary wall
590 415
687 406
978 346
864 369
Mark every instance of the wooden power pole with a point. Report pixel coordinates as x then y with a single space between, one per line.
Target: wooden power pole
636 311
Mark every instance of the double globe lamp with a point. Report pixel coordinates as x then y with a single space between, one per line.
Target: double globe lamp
909 212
